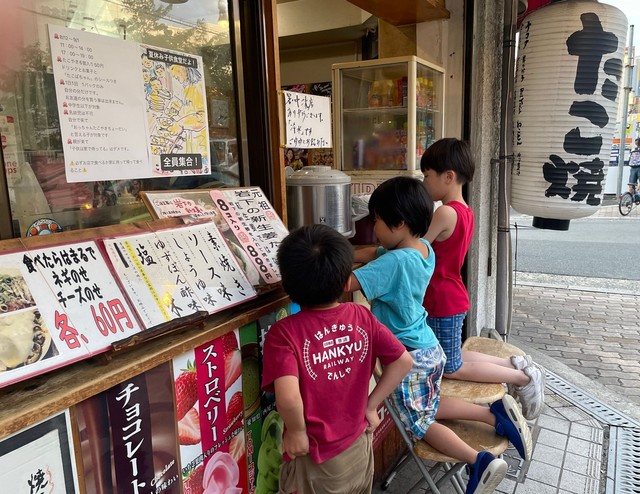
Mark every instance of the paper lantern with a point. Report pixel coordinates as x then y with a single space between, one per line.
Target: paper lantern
568 83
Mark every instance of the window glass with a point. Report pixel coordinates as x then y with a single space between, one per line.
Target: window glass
35 122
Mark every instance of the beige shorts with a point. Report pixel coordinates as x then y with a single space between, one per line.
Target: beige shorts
350 472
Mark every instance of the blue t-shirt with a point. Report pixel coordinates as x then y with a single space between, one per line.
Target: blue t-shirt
395 283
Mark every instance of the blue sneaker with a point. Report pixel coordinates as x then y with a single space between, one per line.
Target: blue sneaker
511 424
485 474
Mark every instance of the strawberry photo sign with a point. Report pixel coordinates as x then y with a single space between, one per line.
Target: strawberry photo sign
210 415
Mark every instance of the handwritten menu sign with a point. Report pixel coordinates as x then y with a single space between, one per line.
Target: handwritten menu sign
128 110
175 273
40 458
248 213
196 204
154 285
208 266
308 120
60 305
210 414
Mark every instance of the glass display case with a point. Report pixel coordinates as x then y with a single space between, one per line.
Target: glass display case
386 113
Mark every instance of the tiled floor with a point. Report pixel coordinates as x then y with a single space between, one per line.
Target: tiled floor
568 457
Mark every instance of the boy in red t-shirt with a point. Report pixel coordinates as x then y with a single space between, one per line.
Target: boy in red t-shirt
447 165
319 362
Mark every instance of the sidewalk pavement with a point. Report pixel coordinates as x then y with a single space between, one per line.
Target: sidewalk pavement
586 332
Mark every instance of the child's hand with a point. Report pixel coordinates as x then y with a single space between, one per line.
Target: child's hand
296 443
373 419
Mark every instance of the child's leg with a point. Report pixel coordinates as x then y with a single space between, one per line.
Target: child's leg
468 356
456 409
503 415
446 441
488 372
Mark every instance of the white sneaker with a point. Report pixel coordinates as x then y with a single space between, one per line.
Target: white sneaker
521 361
531 395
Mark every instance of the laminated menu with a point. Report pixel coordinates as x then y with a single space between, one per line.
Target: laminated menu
58 305
243 215
248 213
173 273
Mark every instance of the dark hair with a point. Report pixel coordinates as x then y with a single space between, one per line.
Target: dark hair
403 199
449 154
315 264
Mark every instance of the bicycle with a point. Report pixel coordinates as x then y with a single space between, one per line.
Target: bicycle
628 201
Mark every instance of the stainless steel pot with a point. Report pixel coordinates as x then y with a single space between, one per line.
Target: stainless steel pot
319 194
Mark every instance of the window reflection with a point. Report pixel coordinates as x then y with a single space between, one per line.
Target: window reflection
29 119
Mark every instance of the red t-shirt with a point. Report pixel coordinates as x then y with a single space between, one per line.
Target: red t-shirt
332 353
446 294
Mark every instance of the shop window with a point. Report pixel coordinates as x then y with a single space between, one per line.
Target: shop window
84 129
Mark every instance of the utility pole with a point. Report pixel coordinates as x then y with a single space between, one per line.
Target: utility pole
625 110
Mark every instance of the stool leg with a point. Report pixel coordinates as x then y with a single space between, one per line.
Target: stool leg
394 470
407 440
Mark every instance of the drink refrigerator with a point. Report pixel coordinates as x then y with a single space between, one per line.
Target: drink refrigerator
386 113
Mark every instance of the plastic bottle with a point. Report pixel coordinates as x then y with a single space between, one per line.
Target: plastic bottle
375 95
389 89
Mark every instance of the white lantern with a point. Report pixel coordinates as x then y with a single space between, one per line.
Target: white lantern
568 82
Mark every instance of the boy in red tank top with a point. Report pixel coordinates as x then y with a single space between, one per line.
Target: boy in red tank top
447 165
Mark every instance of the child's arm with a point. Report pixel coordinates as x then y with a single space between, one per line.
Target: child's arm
442 224
364 255
391 376
290 407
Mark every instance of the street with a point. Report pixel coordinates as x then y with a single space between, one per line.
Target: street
592 247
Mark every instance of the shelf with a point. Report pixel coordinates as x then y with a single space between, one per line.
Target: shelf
404 12
394 110
32 400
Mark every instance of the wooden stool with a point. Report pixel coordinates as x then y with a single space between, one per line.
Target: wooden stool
478 435
490 346
473 392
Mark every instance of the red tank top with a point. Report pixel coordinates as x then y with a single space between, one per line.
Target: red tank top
446 294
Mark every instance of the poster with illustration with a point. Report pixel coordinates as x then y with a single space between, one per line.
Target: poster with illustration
176 111
40 459
128 110
128 436
210 415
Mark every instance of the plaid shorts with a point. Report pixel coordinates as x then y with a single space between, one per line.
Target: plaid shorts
448 330
417 397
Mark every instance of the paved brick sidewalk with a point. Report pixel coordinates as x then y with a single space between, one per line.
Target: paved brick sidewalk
596 334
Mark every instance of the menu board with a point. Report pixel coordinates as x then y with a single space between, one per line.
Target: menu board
128 110
40 458
307 120
59 305
255 223
210 414
174 273
243 215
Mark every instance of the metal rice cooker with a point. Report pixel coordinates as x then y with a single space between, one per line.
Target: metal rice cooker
319 194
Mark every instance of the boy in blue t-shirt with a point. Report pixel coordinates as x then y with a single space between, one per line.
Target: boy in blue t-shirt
394 280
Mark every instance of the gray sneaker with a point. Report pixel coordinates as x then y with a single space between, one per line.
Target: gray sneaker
531 395
521 361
